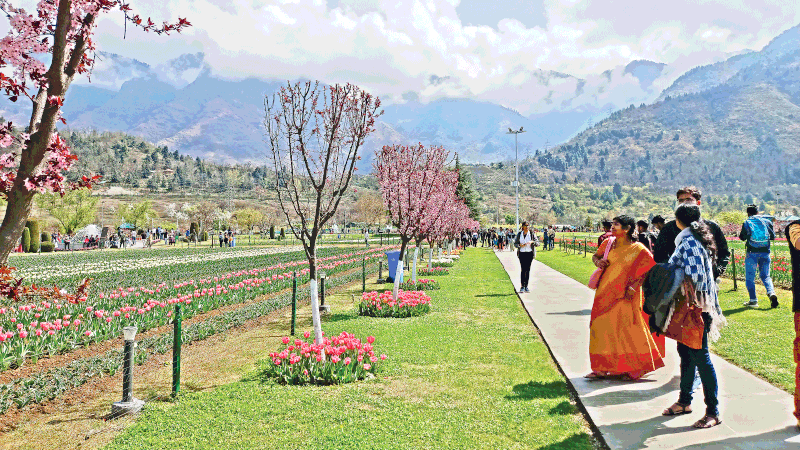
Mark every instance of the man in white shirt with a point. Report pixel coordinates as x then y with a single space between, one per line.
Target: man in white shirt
526 240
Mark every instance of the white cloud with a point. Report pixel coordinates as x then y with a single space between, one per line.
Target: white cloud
392 47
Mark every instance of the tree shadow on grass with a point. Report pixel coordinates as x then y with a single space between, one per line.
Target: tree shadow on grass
339 317
564 408
582 440
536 389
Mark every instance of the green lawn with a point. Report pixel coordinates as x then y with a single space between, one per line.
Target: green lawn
759 340
471 374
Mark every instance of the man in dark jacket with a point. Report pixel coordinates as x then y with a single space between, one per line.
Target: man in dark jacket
793 237
665 245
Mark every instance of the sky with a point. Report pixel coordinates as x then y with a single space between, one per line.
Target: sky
503 51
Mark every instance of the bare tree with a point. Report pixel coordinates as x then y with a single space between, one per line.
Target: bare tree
314 134
370 209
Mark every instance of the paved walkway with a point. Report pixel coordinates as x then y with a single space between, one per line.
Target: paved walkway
755 414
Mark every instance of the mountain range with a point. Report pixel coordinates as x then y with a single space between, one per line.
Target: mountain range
183 105
731 127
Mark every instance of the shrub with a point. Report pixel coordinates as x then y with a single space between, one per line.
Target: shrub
26 240
36 237
301 362
193 229
283 234
272 231
46 237
409 303
422 284
204 236
47 246
443 264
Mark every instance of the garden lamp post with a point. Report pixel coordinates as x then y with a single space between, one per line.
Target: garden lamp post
129 404
516 172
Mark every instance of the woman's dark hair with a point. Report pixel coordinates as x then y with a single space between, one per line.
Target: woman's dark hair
689 215
627 221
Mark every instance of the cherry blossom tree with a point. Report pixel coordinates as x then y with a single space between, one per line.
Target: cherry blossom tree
61 31
412 180
314 134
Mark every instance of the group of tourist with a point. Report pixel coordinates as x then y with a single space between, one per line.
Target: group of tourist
673 271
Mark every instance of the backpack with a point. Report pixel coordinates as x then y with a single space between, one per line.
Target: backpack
759 235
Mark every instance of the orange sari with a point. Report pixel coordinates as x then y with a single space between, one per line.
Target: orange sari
620 341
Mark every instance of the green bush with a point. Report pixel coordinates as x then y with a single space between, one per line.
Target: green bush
283 234
204 236
35 231
26 240
46 237
193 229
47 246
272 231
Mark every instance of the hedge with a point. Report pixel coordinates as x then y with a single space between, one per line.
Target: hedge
35 231
26 240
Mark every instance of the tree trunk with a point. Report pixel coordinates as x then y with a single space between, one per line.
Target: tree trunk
399 270
430 258
315 318
414 276
17 212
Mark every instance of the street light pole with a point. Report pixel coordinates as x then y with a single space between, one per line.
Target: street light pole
516 172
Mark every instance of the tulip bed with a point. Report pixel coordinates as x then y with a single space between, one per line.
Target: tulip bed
422 284
341 359
433 271
409 303
50 384
30 331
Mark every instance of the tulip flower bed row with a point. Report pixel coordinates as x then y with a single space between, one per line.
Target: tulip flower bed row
52 383
422 284
409 303
115 268
433 271
342 359
30 331
781 271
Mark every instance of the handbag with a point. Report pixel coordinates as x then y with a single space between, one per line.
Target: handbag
686 325
594 280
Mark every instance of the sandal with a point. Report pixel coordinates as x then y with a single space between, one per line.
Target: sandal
707 422
594 376
677 410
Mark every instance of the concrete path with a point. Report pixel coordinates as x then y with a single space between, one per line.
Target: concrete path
755 414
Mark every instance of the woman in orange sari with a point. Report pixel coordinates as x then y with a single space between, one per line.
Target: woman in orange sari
620 342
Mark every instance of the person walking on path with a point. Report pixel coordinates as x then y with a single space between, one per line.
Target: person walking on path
551 236
526 241
792 234
606 234
757 232
644 236
665 244
620 342
696 251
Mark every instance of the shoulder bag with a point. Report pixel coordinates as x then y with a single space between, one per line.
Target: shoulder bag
594 280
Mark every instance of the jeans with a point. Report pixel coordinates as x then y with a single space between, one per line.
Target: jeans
762 260
699 360
525 260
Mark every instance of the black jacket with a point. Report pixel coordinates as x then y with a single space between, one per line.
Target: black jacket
665 245
660 286
795 255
